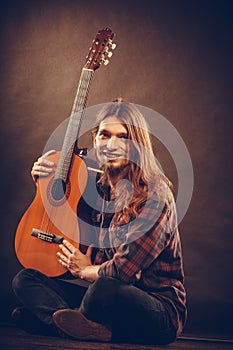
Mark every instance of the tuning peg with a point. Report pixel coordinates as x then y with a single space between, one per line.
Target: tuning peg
108 54
106 62
113 46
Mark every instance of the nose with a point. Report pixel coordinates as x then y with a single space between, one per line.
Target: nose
112 143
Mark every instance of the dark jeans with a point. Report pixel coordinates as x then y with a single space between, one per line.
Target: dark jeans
133 314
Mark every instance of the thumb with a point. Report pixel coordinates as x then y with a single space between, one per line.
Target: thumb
89 250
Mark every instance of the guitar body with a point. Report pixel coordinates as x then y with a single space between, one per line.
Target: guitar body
49 215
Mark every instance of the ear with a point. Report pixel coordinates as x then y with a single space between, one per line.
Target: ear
94 142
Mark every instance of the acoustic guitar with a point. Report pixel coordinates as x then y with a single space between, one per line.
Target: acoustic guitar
52 215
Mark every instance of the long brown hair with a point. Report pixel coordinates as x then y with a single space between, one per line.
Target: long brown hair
142 171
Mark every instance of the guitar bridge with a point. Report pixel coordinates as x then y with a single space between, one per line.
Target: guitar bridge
45 236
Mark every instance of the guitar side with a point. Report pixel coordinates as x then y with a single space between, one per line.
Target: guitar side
47 216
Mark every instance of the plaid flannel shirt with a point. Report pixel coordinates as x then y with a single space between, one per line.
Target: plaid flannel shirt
147 253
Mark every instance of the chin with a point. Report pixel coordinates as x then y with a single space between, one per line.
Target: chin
114 164
115 167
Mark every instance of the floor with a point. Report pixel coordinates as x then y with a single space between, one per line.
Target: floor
12 338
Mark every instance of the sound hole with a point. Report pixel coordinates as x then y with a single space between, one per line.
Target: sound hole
58 190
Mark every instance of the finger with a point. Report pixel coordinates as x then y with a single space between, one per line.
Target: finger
65 251
39 170
40 173
89 250
42 168
48 153
63 263
34 177
69 246
43 162
63 258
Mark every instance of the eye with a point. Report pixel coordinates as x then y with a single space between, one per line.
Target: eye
104 134
124 136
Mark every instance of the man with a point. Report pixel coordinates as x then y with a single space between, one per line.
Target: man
134 275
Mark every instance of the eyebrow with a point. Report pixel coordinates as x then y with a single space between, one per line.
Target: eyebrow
122 133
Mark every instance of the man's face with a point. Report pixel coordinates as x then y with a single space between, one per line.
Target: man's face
111 143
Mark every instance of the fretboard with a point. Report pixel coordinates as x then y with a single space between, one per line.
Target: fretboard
72 132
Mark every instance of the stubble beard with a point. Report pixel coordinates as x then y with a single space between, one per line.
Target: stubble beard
113 171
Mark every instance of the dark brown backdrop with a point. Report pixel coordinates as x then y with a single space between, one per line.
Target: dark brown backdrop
174 57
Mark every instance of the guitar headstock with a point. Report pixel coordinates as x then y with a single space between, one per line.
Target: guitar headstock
101 49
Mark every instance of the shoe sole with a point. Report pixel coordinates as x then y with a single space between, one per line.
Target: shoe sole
76 325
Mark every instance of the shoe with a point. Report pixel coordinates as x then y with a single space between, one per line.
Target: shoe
74 324
25 320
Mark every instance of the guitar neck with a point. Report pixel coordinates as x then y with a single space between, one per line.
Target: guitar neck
72 132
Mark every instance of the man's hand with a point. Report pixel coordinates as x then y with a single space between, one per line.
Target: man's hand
77 263
42 167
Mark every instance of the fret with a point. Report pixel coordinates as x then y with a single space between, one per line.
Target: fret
72 132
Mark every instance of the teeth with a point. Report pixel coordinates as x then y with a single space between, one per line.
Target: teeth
112 155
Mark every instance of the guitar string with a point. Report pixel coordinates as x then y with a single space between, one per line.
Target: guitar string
80 102
47 225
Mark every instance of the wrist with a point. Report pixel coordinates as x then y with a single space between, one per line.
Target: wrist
90 273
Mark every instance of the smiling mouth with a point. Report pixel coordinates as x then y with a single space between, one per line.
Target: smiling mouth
112 155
